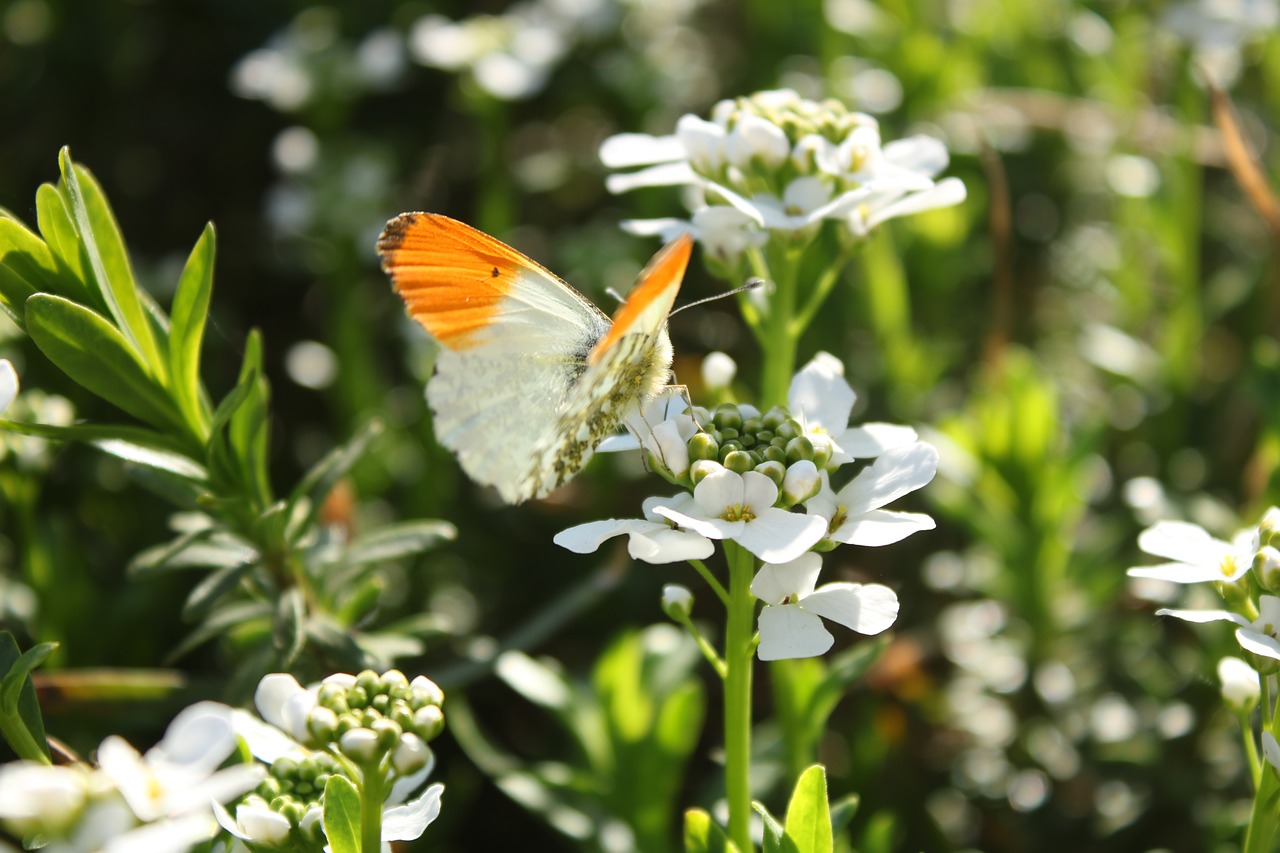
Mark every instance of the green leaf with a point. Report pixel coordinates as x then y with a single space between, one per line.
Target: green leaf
248 428
775 837
163 460
842 812
93 353
140 436
211 589
289 629
394 541
26 267
54 220
808 815
190 311
108 259
842 671
704 835
342 815
221 622
317 482
20 721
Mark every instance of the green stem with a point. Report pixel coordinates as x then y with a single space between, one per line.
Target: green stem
1264 818
373 793
710 578
738 647
780 334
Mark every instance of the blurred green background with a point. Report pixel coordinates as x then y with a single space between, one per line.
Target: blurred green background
1091 339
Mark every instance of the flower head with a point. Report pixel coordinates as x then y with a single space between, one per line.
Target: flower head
821 400
791 620
653 539
1197 557
854 515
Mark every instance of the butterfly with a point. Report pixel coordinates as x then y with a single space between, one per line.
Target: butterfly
531 375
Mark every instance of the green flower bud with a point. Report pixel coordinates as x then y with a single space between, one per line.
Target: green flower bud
729 446
773 453
1266 568
727 415
395 683
823 450
700 469
773 470
677 601
411 755
737 460
799 448
703 446
358 697
801 483
787 430
757 457
360 745
751 426
428 722
368 681
764 436
388 732
322 722
774 418
425 691
729 433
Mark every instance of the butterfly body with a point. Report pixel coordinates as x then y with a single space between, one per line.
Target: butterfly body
531 375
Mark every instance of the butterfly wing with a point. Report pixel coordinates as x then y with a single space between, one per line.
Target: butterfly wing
627 366
515 341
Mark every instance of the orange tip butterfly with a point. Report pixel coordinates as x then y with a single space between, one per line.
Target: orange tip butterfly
531 375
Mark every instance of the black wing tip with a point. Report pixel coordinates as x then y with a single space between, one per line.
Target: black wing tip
393 235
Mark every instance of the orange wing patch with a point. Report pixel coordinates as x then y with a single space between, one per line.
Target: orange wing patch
655 292
451 276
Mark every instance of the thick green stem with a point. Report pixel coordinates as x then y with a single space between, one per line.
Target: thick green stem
373 793
738 649
1264 818
781 336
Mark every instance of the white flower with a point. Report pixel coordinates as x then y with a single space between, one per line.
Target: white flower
724 232
256 822
1197 556
8 383
408 821
1240 686
40 797
286 704
652 539
728 505
180 775
821 400
791 620
854 515
1261 636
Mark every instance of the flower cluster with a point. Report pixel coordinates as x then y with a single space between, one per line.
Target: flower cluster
763 480
777 162
372 729
1246 571
157 802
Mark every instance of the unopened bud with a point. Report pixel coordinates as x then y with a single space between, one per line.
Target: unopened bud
428 722
703 446
801 483
727 417
799 448
411 754
773 470
1240 686
426 690
700 469
1266 568
738 461
322 722
359 744
677 601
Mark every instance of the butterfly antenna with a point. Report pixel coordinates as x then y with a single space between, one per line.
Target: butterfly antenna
617 297
751 284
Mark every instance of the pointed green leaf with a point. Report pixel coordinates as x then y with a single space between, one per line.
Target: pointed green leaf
845 669
22 726
317 482
808 815
54 220
190 311
221 622
289 630
210 590
248 428
842 812
26 267
775 837
342 815
11 684
704 835
93 353
394 541
140 436
200 549
108 260
163 460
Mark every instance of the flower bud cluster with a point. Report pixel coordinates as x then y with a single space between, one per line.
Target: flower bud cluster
774 444
294 789
368 716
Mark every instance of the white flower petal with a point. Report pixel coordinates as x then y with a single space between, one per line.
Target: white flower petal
274 690
881 527
865 608
625 150
778 536
946 193
918 153
1259 644
758 491
128 772
662 175
267 743
1205 616
1177 573
1240 684
669 546
587 538
788 632
8 383
896 472
776 582
177 835
820 395
870 440
407 822
721 489
221 787
618 443
1182 542
200 738
712 528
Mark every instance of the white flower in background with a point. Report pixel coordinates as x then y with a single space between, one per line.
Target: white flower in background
718 370
1217 31
729 505
821 400
854 515
783 163
255 822
1198 557
1260 636
652 539
1240 686
791 620
42 798
180 775
677 600
8 383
